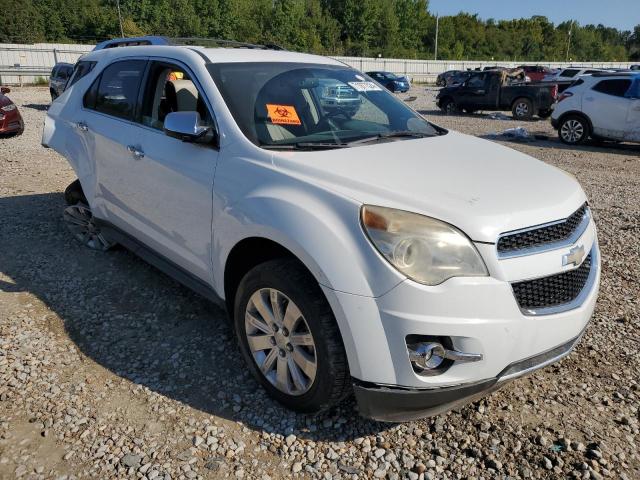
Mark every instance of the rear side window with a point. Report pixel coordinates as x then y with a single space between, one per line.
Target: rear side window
63 72
115 91
569 73
81 69
617 87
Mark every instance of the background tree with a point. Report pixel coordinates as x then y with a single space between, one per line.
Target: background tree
390 28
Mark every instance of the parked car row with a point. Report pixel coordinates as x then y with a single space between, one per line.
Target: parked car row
598 104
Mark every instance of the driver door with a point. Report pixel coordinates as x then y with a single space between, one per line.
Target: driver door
473 93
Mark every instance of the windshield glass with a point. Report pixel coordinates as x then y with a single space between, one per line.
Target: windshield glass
293 104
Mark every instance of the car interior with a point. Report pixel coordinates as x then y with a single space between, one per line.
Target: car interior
170 89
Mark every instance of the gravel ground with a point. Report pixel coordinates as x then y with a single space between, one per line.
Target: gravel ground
109 368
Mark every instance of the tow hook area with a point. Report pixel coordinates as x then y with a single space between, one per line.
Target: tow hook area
432 358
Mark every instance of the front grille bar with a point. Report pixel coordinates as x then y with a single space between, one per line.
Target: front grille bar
545 237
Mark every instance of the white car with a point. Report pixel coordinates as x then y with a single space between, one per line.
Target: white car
602 106
569 73
372 252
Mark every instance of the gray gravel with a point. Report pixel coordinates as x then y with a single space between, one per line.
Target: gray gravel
110 369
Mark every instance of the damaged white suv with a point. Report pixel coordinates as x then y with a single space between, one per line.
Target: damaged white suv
357 247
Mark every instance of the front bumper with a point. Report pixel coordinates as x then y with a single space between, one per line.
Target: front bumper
388 404
480 315
11 123
554 123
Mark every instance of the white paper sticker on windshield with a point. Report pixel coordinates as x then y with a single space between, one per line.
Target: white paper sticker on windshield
365 86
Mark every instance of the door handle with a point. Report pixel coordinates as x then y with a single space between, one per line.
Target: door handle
589 99
83 127
135 151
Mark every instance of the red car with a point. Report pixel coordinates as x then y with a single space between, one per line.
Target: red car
535 72
10 118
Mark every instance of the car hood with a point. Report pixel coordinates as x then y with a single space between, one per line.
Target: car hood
479 186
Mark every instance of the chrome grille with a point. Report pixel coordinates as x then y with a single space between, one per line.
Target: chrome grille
552 291
545 235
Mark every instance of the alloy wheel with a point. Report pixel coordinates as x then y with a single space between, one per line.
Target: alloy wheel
572 131
81 224
280 341
522 109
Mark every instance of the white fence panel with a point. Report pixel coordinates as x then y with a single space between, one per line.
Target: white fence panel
38 57
37 60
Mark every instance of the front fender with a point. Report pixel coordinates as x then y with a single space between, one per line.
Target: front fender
320 228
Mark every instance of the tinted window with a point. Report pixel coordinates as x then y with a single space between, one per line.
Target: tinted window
617 87
476 81
117 92
169 88
80 70
63 72
569 73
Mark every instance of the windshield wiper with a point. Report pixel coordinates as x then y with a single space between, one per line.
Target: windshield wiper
385 135
305 146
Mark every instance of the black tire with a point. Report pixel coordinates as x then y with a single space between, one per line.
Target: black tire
545 113
470 111
73 194
522 109
332 379
448 106
574 130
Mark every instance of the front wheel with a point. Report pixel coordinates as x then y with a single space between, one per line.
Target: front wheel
573 130
448 106
289 337
522 109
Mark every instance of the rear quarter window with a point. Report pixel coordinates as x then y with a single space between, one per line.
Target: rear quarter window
569 73
115 91
616 87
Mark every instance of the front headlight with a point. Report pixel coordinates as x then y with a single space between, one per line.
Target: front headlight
8 108
422 248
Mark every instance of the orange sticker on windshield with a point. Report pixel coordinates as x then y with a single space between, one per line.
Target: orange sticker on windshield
283 114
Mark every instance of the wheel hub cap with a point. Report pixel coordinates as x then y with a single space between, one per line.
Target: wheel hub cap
81 224
280 341
572 131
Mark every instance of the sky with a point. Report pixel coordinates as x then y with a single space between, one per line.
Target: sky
622 14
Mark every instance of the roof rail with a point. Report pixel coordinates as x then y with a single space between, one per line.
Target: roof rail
133 41
184 41
206 42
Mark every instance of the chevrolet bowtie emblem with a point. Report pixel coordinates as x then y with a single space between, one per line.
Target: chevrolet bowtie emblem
574 257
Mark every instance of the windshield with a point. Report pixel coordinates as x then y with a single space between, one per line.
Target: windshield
293 104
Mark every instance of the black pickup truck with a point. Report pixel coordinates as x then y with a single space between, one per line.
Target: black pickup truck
499 91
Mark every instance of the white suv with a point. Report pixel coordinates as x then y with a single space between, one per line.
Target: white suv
368 252
604 106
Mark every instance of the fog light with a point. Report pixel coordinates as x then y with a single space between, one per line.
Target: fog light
428 357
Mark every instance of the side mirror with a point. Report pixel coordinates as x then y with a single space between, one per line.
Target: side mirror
4 90
187 127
